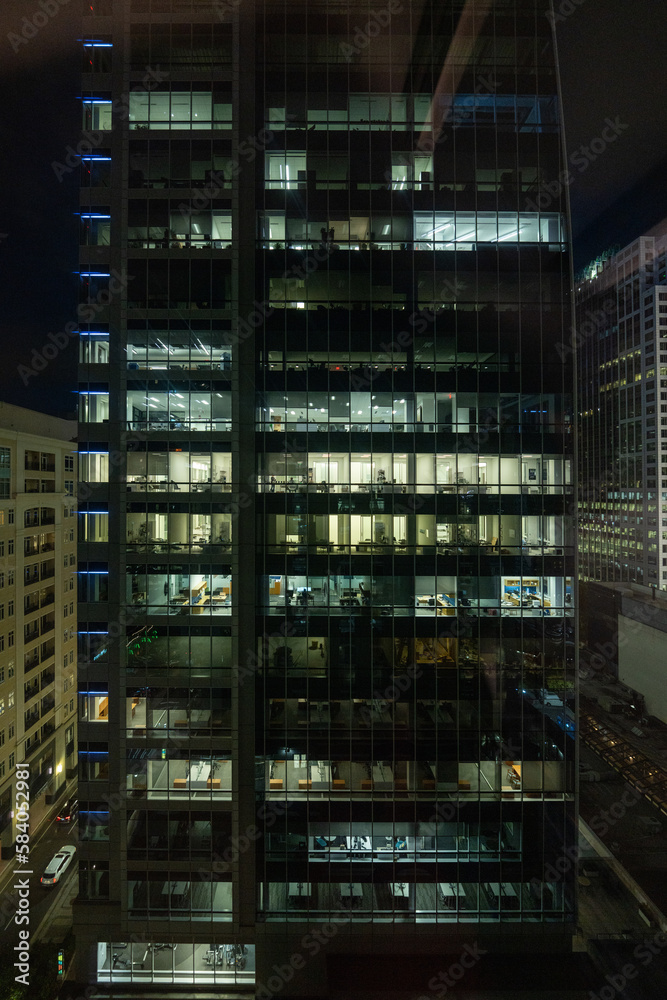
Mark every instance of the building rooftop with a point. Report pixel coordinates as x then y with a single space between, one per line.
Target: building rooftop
23 421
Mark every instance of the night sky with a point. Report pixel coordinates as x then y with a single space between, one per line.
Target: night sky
612 67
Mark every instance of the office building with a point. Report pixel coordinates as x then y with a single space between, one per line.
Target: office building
326 453
621 303
37 611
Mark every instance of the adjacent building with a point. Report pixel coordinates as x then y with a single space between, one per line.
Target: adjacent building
327 569
38 604
621 302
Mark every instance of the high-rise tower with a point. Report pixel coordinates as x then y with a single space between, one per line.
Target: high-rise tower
327 465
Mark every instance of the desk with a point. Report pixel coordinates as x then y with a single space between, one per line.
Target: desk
400 890
199 775
175 889
319 712
298 889
502 889
451 891
320 774
383 779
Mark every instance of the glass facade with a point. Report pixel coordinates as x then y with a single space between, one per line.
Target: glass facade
327 581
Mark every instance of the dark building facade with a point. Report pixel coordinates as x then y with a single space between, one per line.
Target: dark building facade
326 463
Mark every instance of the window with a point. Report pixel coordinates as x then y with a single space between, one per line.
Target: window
2 643
72 560
11 761
10 639
69 463
10 732
5 471
65 562
2 548
65 660
64 611
2 579
2 612
2 674
10 699
2 737
2 769
71 608
10 670
10 577
2 705
69 487
10 516
10 547
10 608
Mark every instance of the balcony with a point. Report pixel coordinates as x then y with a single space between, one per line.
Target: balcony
31 661
30 606
30 547
29 750
47 625
48 677
48 704
47 599
47 572
31 718
47 649
30 632
47 729
29 691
